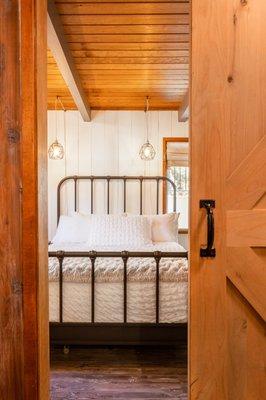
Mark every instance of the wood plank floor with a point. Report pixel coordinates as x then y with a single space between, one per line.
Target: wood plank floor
119 373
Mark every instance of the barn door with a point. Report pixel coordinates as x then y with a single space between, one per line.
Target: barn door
228 156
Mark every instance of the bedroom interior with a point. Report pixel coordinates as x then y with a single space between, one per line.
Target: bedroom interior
118 172
132 199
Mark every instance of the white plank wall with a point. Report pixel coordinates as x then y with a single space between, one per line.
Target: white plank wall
108 145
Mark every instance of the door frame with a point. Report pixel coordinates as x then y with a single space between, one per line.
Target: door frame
25 341
23 201
24 323
27 374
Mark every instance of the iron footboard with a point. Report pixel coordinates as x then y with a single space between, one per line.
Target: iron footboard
124 255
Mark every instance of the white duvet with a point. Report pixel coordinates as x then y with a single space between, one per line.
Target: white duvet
109 286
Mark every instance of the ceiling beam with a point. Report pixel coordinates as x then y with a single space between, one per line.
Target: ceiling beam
183 112
58 45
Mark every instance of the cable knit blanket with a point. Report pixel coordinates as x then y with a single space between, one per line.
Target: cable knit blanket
78 269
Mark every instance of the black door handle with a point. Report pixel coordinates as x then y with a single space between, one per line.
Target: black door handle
209 205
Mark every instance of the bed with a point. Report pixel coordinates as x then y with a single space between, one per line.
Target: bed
124 284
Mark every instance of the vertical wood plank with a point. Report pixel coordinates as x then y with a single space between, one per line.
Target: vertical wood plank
56 168
209 122
98 160
125 128
42 197
11 279
23 220
85 163
111 155
151 167
34 203
164 128
71 155
137 166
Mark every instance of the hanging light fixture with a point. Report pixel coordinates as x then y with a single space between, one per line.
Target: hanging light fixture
56 149
147 152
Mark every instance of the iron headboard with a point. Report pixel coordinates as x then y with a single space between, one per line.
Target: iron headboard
108 179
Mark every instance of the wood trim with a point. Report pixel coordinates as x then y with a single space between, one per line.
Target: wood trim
11 304
60 50
124 8
24 328
34 207
165 141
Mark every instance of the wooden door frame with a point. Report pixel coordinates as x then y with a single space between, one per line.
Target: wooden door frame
23 201
164 168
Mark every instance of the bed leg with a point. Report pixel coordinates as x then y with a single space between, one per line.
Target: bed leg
66 350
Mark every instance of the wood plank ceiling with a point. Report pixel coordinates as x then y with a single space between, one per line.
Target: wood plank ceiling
125 51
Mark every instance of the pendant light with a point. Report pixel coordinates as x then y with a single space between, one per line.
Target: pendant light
147 152
56 149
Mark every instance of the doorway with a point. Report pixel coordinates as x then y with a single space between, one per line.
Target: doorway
132 65
140 321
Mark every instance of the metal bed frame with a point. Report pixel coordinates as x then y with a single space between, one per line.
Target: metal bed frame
124 333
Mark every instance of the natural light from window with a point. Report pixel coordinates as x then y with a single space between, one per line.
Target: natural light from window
178 172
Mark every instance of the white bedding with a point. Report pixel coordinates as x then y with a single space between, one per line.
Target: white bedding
109 286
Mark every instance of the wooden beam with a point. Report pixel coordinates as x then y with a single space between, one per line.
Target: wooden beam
183 112
61 52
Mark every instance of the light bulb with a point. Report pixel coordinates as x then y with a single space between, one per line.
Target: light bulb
147 152
56 151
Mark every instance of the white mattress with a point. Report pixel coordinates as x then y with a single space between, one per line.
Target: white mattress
109 294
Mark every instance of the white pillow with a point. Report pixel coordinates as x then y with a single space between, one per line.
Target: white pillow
119 230
164 227
73 229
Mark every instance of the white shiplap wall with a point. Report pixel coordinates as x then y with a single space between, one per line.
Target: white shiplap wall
108 145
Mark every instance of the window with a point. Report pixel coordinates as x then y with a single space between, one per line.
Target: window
176 168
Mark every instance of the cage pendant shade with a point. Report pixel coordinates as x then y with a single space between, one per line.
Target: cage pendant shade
56 151
147 152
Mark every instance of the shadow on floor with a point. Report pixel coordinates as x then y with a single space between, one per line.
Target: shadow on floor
119 373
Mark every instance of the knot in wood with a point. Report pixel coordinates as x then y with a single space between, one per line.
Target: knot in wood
13 136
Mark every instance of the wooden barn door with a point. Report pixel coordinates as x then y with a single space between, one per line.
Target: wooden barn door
228 156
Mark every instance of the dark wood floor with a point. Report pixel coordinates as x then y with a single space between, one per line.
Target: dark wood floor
119 373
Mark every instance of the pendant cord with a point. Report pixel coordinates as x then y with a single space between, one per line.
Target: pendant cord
58 100
61 103
147 119
55 108
64 119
